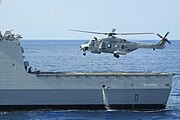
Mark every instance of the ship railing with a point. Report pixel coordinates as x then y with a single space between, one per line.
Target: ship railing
106 74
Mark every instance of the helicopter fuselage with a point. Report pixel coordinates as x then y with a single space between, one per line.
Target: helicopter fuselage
114 45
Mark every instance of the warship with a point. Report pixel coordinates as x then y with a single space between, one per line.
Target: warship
23 89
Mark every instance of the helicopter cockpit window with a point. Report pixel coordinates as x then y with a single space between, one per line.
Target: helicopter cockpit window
92 43
109 45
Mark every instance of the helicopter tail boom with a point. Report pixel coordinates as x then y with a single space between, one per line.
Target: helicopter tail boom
159 45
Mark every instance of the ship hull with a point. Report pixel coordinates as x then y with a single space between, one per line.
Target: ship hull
28 99
20 89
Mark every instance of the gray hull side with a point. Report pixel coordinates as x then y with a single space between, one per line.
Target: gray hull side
82 96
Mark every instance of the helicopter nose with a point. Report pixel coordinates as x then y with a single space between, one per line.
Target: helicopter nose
84 48
81 47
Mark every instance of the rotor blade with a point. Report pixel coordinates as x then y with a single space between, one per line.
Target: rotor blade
166 34
113 30
168 41
87 31
132 33
159 36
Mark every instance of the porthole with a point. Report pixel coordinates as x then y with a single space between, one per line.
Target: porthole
109 45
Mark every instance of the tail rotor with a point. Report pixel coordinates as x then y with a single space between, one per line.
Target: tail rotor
165 37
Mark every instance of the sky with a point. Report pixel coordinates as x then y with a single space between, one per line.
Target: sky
51 19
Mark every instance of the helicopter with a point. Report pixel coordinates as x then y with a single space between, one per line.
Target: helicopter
118 46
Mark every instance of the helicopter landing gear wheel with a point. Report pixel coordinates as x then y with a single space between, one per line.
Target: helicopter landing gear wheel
115 55
84 54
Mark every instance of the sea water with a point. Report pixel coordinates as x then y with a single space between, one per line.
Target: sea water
65 56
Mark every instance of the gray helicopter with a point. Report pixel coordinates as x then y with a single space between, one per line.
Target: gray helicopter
118 46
